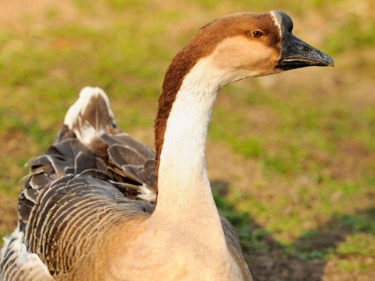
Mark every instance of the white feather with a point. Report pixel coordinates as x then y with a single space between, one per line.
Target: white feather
73 116
24 265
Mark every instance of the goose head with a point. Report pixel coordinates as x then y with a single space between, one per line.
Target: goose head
229 49
245 45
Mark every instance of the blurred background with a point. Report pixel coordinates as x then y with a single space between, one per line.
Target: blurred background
291 157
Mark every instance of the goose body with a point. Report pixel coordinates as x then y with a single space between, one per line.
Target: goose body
99 205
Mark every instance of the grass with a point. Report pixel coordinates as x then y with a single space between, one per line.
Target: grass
302 141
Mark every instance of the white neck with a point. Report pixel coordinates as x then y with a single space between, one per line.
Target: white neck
184 190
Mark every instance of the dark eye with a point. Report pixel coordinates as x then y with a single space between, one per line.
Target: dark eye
257 33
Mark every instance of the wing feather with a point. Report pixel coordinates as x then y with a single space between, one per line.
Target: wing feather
92 177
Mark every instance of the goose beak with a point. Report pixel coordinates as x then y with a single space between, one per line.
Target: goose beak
296 54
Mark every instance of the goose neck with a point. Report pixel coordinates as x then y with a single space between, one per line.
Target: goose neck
182 177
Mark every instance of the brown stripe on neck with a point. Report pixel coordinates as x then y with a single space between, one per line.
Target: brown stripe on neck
181 65
176 72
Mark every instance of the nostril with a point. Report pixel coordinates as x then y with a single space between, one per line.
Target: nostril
304 48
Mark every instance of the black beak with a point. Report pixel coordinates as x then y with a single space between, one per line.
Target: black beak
296 54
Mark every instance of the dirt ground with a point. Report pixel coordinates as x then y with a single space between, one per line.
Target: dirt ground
270 263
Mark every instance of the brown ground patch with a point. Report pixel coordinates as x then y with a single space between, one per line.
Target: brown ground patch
8 211
14 13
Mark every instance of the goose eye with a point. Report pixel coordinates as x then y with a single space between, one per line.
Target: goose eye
257 33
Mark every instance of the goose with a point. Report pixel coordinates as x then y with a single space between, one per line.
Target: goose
100 205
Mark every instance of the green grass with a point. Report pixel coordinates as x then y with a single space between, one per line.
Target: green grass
309 133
